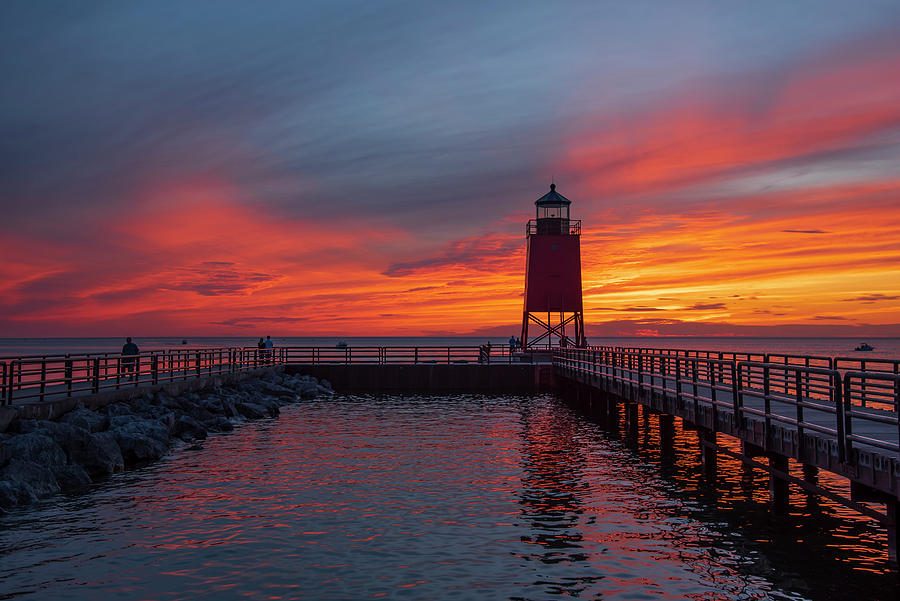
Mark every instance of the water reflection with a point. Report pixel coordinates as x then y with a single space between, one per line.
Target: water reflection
819 548
415 498
551 485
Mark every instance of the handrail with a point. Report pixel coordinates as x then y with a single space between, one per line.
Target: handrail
785 392
37 378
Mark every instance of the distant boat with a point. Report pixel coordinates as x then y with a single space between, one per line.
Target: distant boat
864 347
341 344
184 342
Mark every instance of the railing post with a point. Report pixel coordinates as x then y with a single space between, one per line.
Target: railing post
862 384
663 360
767 403
695 376
798 382
96 375
848 419
9 384
68 376
197 362
837 398
43 377
154 367
735 394
695 389
678 381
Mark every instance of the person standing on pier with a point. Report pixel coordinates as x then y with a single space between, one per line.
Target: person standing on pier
269 345
129 357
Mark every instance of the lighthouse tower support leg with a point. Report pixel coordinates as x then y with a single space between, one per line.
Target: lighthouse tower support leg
548 330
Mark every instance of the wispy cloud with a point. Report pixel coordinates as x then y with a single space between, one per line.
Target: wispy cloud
871 298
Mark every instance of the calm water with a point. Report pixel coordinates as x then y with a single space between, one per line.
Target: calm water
830 347
462 497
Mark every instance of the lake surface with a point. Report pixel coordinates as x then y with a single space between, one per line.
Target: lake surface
887 348
436 497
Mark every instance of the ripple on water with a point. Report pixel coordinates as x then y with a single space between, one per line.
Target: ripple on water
387 497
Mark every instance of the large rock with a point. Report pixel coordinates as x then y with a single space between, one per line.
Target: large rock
271 404
277 390
214 404
72 477
186 427
251 410
86 419
141 440
155 412
104 457
73 440
170 403
29 480
97 455
10 494
219 424
118 409
36 446
304 386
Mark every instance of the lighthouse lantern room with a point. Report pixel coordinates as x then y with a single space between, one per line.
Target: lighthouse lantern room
553 305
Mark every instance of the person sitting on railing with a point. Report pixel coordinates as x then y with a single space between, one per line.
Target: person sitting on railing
129 357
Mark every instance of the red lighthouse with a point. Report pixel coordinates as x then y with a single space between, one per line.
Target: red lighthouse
553 275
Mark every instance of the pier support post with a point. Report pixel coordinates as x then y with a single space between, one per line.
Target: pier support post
612 408
708 457
631 419
810 473
893 528
778 487
666 434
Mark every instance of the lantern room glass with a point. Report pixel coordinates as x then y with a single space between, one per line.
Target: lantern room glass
553 211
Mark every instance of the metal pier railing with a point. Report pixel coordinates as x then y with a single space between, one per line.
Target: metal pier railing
851 401
36 378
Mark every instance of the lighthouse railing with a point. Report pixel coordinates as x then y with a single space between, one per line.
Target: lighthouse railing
573 228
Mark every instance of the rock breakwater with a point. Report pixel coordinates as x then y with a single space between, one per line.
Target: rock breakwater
39 457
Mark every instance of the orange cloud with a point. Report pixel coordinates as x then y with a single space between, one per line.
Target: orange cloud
775 206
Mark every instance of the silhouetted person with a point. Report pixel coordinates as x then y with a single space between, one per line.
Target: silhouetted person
261 344
129 357
268 345
512 344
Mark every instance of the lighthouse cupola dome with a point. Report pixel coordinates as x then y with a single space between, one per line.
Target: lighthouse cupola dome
552 205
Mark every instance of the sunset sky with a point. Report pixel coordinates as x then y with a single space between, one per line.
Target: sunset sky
348 169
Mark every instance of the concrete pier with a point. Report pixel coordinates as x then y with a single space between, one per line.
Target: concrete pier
433 378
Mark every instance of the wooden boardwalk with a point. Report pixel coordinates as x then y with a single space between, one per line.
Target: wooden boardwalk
844 421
